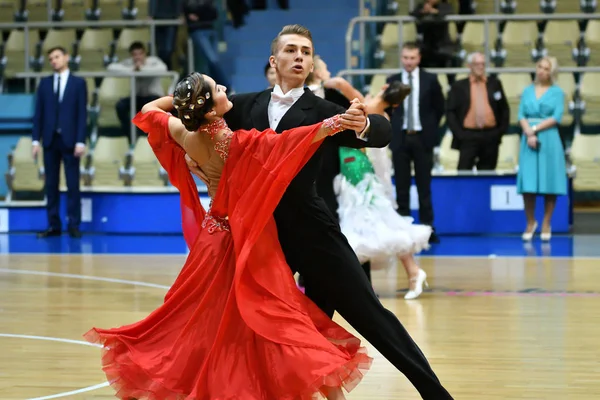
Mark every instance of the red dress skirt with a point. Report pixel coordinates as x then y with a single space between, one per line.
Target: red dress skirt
233 325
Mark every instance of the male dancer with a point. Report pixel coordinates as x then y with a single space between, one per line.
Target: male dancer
309 235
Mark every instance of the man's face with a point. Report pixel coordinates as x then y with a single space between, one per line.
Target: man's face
138 56
477 66
58 60
293 60
410 59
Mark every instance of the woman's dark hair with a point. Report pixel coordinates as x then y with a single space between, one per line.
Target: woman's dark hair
192 99
395 93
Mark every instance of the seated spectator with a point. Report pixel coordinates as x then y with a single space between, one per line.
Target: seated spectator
147 89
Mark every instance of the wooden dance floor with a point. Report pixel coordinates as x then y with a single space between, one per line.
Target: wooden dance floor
493 328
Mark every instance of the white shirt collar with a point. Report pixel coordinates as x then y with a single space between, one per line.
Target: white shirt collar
296 93
63 75
414 73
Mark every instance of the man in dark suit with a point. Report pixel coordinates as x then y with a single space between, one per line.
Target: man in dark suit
309 234
478 115
415 126
60 124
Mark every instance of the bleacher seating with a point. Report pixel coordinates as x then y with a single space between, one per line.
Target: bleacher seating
585 154
146 171
109 159
25 173
515 44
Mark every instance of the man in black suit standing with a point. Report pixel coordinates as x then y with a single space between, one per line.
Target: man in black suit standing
415 126
60 124
309 234
478 115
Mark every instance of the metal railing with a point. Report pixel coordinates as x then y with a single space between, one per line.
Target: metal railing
486 19
106 74
490 70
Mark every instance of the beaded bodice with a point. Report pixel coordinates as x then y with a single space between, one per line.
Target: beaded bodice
221 135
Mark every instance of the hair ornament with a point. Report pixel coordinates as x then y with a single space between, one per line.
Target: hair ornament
207 95
200 100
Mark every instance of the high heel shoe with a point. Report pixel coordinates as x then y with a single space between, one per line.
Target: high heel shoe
546 236
419 280
528 235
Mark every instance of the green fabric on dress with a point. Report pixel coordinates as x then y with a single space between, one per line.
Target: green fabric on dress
354 165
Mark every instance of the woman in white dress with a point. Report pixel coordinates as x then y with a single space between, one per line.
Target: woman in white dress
367 208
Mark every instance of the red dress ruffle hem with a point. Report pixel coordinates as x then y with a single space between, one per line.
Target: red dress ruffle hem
233 325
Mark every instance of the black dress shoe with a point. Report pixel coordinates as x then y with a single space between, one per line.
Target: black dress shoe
74 233
48 233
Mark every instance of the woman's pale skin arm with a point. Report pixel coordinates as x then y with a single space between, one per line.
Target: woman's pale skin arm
189 141
345 88
543 125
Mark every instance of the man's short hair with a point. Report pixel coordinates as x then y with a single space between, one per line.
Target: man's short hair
57 48
411 46
291 30
136 46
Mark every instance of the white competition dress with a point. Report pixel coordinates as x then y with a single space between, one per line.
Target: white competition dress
367 212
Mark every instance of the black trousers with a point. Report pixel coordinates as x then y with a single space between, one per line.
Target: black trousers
315 247
414 151
478 147
55 154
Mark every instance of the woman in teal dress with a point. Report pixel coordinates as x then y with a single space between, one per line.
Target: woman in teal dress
542 168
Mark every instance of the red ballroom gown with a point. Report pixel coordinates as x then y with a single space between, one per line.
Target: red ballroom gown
233 325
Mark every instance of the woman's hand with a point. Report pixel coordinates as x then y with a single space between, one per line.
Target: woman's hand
532 141
529 132
194 169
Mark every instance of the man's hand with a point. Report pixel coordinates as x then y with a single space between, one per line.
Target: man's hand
355 118
193 166
79 150
35 150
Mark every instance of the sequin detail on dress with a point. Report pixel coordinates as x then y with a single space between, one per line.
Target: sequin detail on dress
221 145
215 224
332 125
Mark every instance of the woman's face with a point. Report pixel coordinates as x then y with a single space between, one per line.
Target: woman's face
221 103
543 71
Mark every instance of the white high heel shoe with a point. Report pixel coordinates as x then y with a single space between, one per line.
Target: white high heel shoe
419 280
527 236
546 236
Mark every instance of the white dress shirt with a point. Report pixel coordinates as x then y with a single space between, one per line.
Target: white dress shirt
280 103
416 86
64 77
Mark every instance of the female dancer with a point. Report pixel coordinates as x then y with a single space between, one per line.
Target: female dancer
366 207
233 325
